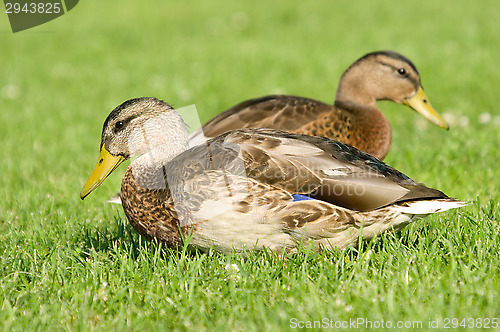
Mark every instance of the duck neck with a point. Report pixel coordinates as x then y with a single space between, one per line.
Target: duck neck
358 96
371 132
161 143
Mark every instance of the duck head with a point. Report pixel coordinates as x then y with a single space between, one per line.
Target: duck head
134 128
386 75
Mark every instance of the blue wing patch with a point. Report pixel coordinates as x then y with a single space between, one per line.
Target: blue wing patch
299 197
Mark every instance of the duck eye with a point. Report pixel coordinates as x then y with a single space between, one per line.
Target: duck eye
119 125
401 71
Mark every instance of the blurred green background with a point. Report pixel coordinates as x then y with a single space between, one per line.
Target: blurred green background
59 81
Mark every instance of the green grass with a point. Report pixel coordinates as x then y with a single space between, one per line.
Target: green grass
72 265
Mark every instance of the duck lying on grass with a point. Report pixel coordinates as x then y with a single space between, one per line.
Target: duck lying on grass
353 119
251 188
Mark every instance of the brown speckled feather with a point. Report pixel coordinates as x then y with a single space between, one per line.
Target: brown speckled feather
288 113
276 111
151 212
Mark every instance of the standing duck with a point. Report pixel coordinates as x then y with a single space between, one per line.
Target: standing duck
251 188
353 119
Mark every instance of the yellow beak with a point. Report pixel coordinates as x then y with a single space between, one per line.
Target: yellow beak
105 165
420 103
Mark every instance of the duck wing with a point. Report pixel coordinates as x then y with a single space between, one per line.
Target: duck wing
314 167
323 169
283 112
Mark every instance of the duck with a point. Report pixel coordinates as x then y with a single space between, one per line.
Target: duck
354 118
253 188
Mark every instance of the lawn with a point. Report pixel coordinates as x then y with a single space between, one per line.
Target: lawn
67 264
